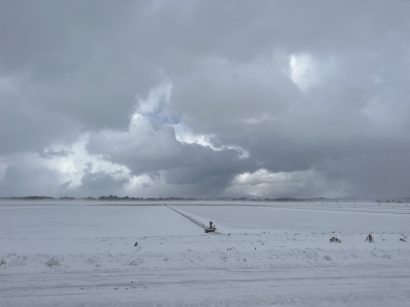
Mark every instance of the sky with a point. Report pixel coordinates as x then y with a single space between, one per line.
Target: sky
205 98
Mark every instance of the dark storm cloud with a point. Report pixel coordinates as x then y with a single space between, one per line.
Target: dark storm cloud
314 89
28 175
100 184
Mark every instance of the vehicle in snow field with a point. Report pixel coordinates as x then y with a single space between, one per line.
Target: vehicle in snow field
211 227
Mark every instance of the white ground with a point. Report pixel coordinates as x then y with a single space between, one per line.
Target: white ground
83 254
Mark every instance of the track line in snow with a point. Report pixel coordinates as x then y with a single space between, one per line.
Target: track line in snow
190 218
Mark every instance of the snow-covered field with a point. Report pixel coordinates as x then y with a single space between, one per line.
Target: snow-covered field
265 254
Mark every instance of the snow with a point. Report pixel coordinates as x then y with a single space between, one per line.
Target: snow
82 254
312 219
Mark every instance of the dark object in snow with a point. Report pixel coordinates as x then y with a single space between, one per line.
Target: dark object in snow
369 238
403 239
211 227
334 240
136 243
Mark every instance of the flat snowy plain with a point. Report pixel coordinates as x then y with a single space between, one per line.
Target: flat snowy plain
55 253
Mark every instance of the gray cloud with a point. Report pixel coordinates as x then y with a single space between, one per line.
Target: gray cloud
100 184
317 88
26 174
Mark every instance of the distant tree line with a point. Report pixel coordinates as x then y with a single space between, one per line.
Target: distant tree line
112 197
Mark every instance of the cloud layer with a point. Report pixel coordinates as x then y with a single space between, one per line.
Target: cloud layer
198 98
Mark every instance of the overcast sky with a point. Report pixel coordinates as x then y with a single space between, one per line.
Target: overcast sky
205 98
